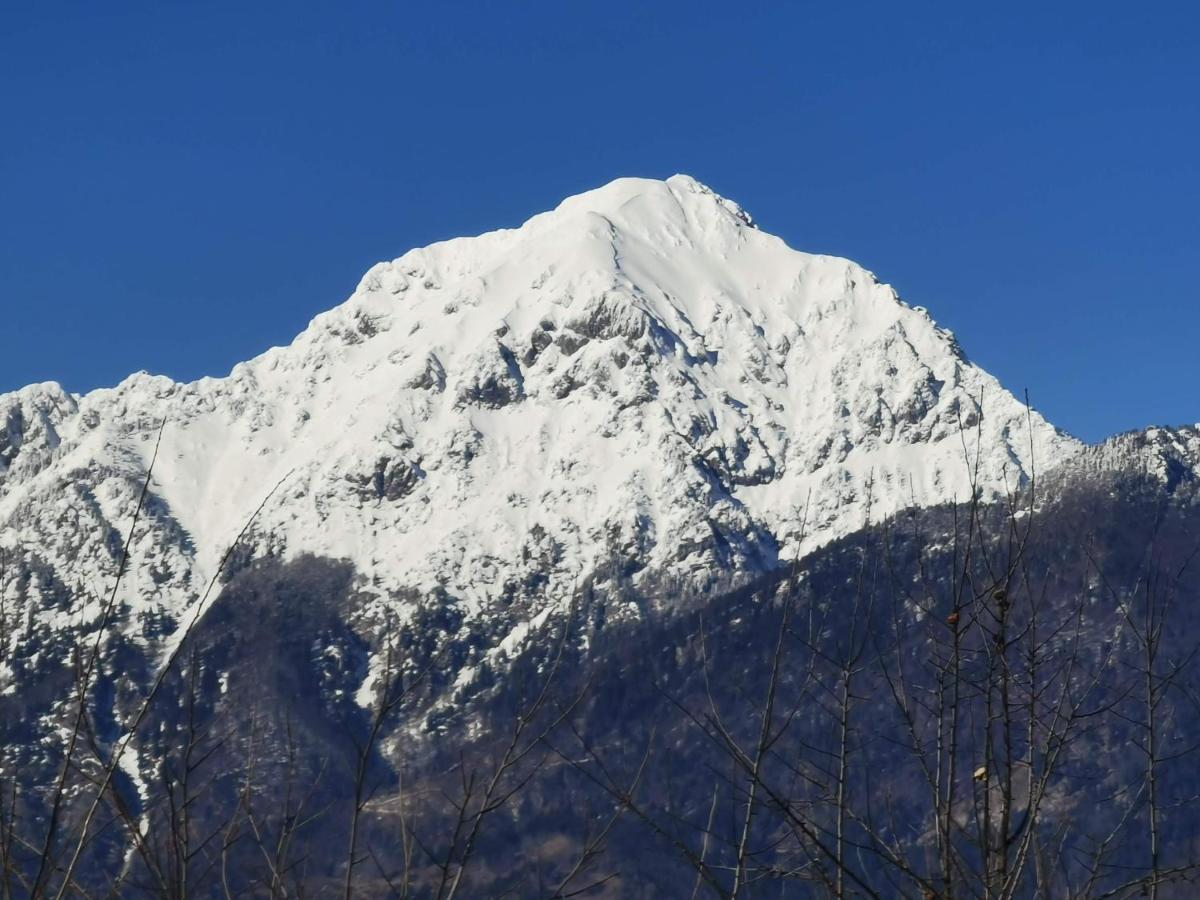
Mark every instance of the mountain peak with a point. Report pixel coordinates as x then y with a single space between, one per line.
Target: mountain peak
646 200
637 388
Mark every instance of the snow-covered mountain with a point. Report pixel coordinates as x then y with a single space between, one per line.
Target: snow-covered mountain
639 385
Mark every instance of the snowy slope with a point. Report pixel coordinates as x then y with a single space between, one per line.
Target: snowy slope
640 383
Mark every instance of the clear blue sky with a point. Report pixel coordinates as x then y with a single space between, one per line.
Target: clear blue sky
185 184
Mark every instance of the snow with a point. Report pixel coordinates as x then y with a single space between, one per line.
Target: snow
640 373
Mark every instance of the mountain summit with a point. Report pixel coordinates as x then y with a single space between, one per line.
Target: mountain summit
639 388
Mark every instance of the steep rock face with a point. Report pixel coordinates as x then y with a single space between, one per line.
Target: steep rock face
29 421
638 388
